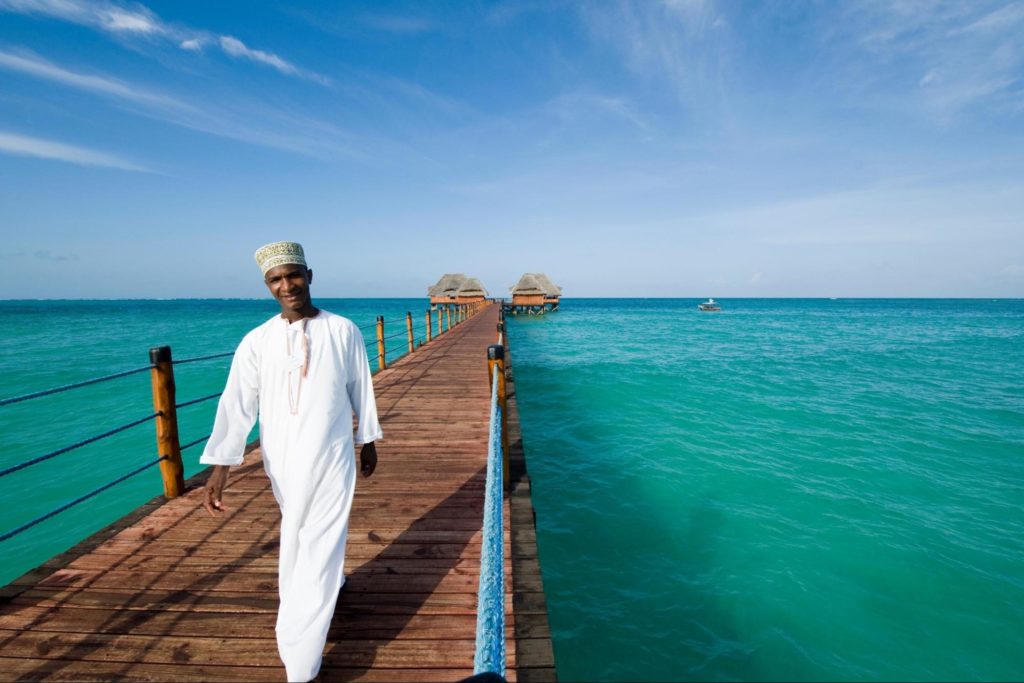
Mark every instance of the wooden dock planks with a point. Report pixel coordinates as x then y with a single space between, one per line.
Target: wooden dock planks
169 593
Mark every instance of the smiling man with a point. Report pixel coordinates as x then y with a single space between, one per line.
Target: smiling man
304 373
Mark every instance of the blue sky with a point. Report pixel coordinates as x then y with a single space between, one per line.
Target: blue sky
649 148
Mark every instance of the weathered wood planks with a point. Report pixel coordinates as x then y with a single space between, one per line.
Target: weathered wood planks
170 593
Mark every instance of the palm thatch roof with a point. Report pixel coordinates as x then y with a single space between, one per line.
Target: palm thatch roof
448 285
536 283
472 287
549 287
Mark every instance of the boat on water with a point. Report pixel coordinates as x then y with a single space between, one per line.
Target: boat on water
709 305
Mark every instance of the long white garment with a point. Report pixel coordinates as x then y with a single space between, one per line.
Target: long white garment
308 451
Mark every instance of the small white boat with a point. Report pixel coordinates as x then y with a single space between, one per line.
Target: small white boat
709 305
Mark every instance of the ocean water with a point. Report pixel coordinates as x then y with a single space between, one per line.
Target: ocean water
45 344
786 490
789 489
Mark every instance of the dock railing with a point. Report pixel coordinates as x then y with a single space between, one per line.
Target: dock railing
165 407
490 616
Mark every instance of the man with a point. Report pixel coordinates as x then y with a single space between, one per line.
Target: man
305 373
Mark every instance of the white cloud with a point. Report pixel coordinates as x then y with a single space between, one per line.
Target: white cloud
969 53
236 48
139 21
119 20
33 65
251 122
683 42
21 145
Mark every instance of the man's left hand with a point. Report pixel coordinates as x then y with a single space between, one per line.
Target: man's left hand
368 459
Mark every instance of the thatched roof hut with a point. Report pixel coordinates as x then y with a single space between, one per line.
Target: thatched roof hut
535 289
527 286
551 290
471 290
446 288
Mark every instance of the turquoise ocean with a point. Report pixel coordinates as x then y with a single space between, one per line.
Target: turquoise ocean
786 490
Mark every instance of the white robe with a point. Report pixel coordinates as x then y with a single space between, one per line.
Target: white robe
309 457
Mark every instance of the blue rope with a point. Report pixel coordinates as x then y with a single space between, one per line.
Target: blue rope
198 400
68 387
76 501
190 444
490 614
195 360
59 451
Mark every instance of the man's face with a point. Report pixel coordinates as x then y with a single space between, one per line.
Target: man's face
290 285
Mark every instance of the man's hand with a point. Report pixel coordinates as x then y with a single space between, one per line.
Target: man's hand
368 459
214 490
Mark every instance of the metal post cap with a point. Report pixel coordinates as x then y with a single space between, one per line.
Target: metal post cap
160 354
495 352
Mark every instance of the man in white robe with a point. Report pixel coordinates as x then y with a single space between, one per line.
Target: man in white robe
304 373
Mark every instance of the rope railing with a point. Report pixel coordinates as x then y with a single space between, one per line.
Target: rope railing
79 444
165 413
198 400
81 499
198 441
490 615
210 357
69 387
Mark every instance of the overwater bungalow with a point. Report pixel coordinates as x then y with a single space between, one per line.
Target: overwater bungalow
534 294
470 291
447 289
552 292
456 288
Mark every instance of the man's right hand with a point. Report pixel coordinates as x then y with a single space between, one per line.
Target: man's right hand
214 490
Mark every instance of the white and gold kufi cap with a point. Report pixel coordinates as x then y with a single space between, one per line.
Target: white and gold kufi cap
278 254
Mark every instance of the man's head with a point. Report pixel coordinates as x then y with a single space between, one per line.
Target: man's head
287 277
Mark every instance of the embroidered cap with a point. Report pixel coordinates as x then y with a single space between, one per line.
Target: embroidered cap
278 254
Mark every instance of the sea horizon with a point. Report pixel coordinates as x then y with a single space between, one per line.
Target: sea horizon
562 298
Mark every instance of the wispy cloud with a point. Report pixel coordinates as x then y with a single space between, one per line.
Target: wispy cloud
139 22
32 65
957 54
251 122
573 106
22 145
682 42
236 48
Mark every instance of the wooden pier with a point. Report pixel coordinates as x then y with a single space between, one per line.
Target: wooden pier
169 593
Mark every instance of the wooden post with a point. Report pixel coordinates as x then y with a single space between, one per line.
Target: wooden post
439 314
496 358
408 328
167 443
429 326
501 334
448 315
381 362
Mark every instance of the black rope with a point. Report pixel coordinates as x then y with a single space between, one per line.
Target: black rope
190 444
195 360
76 501
68 387
198 400
41 458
